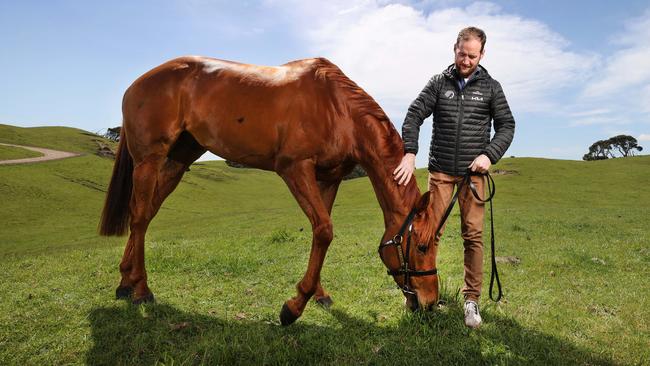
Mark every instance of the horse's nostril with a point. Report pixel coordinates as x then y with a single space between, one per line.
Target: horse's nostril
414 306
411 303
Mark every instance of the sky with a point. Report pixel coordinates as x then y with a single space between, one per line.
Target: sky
573 72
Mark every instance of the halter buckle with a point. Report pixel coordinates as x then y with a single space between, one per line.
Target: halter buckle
407 290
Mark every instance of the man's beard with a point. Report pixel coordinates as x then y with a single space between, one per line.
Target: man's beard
468 73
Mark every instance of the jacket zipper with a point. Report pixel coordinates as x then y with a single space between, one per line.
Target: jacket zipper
461 113
458 125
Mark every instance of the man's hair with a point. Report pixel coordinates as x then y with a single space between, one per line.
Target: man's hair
471 32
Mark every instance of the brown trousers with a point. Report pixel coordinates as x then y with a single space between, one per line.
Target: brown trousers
472 212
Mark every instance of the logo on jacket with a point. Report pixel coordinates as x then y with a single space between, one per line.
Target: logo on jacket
449 94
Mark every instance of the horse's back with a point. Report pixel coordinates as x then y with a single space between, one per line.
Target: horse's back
245 113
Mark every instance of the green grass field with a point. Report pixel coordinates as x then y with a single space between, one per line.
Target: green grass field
12 152
228 246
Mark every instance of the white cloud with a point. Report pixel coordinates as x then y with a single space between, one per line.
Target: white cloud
392 50
621 82
590 113
644 137
626 68
644 98
598 120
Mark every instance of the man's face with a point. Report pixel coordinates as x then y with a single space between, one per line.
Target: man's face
468 54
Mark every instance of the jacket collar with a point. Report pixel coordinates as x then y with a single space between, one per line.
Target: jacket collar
480 73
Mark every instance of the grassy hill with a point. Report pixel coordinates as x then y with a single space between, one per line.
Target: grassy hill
228 246
57 138
12 152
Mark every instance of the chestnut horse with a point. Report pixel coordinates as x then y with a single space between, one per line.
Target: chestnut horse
305 120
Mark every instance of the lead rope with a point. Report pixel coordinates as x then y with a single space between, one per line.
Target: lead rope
494 275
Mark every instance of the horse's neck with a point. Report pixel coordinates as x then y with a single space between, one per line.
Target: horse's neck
379 162
395 201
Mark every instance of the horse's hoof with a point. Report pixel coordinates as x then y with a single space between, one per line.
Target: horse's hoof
286 316
325 302
123 292
145 299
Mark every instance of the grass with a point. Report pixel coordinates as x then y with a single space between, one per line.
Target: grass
228 246
12 152
57 138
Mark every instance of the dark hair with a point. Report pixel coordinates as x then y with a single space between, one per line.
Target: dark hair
471 32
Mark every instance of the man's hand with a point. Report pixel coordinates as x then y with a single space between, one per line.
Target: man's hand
481 164
404 171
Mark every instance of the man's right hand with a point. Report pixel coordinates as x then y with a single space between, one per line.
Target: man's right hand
404 171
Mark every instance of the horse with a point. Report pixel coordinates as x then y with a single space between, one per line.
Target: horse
304 120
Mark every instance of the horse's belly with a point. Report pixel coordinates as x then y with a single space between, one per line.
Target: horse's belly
244 141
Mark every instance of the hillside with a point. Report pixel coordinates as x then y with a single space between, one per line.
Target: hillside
57 138
12 152
227 247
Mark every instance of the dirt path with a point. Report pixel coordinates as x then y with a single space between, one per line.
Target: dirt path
48 154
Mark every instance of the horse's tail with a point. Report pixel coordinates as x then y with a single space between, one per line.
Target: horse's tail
116 214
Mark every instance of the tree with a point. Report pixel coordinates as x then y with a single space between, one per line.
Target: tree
357 172
113 133
604 149
625 144
233 164
599 150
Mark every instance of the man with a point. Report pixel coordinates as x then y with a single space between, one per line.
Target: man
464 100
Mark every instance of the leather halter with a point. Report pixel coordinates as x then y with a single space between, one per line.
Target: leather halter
404 257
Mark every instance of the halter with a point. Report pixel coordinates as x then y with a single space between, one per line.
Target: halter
404 257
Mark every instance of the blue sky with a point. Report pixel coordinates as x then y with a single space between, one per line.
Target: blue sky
573 71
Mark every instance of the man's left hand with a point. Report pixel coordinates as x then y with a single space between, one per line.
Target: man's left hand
481 164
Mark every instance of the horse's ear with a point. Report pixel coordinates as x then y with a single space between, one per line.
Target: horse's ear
423 202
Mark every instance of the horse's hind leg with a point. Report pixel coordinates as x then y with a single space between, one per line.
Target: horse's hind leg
182 155
134 276
328 194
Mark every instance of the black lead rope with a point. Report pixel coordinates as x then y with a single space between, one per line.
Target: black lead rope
467 180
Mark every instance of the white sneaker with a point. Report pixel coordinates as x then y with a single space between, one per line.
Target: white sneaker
472 316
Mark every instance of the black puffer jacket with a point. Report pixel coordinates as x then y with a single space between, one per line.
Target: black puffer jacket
461 120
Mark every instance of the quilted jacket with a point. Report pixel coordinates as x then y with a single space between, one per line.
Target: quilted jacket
462 120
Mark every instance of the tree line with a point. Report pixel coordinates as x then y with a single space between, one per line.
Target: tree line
624 145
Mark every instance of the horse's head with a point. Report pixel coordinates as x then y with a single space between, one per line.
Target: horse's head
410 256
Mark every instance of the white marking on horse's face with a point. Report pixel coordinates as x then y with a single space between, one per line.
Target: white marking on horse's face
212 65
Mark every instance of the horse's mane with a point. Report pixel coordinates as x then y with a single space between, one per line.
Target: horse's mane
356 99
359 103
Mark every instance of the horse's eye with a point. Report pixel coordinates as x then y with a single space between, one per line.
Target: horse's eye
423 248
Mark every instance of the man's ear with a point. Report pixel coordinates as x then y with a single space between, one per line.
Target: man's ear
423 202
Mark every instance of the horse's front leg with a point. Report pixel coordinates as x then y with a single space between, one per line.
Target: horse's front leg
301 180
328 192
